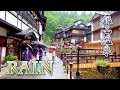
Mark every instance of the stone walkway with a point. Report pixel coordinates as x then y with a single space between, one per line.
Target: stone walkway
58 72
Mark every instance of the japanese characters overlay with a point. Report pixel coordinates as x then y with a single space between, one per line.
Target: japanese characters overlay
106 40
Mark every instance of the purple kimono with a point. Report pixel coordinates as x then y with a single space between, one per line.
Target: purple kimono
40 54
27 55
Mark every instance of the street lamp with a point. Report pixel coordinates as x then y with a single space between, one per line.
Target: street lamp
78 73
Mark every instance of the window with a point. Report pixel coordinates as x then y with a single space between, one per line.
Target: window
24 27
82 32
75 31
2 15
11 19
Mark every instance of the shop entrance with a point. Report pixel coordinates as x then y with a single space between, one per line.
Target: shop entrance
13 47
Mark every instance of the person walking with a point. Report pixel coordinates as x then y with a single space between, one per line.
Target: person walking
27 54
38 53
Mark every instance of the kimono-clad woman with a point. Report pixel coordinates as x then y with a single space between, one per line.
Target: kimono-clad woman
27 54
38 53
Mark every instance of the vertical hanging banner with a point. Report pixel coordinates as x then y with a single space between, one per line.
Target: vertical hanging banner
106 40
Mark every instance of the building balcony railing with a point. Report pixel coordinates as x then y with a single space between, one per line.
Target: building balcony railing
69 35
25 15
75 35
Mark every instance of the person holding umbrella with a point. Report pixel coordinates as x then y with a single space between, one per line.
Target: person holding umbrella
38 53
27 54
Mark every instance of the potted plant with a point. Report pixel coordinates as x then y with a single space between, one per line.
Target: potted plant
102 66
10 58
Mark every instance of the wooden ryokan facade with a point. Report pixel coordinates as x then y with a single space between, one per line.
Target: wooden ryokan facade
14 22
72 36
95 42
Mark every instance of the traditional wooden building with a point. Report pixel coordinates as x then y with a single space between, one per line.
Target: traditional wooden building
30 23
58 38
72 36
96 32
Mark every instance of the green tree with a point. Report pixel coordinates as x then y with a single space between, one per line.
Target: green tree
64 18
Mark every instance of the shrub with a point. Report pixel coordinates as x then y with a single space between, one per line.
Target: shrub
102 63
10 58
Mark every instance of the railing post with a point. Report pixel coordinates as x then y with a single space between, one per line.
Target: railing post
67 66
77 73
112 58
71 70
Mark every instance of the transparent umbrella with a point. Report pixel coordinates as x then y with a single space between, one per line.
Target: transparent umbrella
41 44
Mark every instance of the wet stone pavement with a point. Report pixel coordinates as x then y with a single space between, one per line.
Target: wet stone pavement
58 72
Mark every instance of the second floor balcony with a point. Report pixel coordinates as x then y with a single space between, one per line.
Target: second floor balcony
75 35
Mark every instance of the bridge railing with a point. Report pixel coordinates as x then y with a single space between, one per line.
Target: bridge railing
86 56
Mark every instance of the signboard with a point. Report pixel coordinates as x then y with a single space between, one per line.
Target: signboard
106 32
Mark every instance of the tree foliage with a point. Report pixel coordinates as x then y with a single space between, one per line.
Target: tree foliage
64 18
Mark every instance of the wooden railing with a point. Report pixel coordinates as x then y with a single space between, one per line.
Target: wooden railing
75 35
88 58
85 56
